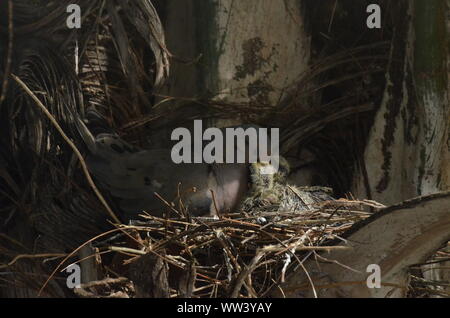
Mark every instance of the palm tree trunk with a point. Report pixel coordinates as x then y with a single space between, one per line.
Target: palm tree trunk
249 51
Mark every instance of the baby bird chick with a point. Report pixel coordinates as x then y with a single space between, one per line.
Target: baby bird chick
269 191
266 185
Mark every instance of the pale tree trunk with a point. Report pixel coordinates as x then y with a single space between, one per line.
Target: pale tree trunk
249 51
407 152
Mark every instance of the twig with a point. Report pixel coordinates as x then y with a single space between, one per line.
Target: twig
28 256
311 282
166 203
245 273
126 250
71 144
338 263
215 204
72 254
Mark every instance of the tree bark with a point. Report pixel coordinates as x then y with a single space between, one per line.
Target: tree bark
249 51
407 154
394 239
407 151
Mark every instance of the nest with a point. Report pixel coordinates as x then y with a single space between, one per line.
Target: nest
234 255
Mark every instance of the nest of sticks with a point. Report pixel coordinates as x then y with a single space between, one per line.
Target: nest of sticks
234 255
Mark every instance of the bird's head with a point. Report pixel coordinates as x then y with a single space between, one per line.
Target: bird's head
262 175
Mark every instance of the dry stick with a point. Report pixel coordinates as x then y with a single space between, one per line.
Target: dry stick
298 260
76 251
215 204
10 47
71 144
73 253
245 273
338 263
126 250
303 248
88 257
167 204
31 256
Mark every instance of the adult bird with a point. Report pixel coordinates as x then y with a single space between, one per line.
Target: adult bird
148 180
